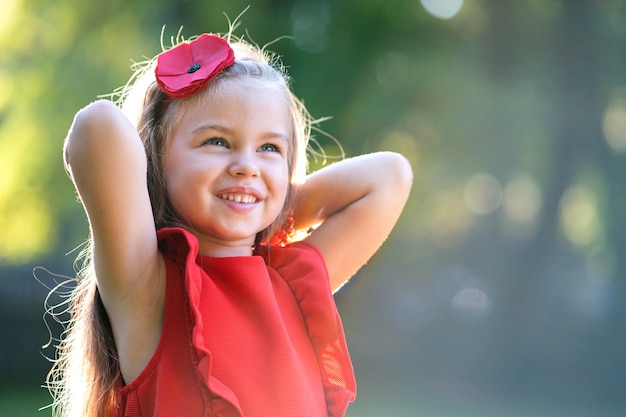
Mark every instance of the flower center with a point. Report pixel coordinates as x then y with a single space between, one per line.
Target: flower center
195 67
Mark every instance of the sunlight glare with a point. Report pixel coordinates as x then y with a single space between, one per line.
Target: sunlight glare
10 16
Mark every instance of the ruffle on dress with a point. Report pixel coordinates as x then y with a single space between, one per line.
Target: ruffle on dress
299 265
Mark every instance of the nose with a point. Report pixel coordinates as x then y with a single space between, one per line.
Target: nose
243 164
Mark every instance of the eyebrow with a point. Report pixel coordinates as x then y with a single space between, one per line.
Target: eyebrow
220 128
211 127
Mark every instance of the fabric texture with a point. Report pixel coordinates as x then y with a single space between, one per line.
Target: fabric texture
253 336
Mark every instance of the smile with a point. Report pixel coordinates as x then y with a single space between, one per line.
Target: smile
239 198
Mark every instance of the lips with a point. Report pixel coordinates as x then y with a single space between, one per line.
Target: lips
240 196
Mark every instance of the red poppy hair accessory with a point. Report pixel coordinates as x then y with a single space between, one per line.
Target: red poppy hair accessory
189 66
282 237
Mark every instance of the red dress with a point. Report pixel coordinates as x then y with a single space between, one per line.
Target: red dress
242 338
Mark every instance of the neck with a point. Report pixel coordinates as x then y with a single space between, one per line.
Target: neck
225 249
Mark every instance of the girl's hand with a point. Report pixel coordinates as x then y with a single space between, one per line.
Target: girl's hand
357 201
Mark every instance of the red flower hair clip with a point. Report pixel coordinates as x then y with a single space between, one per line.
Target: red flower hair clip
283 236
189 66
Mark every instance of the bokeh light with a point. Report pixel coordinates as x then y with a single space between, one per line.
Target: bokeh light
614 125
448 218
483 193
443 9
522 199
310 26
470 304
579 216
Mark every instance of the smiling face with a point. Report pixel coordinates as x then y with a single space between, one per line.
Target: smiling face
226 165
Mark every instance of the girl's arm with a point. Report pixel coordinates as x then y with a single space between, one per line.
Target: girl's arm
107 162
357 201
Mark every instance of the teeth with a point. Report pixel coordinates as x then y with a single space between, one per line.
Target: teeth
247 199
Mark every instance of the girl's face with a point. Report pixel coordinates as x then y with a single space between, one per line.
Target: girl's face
226 166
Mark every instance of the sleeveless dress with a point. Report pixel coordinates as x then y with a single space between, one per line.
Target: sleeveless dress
253 336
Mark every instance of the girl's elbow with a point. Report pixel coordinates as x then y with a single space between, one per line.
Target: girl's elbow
88 124
399 171
72 144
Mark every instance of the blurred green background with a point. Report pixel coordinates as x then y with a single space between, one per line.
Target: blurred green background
502 290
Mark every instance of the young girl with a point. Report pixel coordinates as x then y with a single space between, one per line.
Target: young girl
196 299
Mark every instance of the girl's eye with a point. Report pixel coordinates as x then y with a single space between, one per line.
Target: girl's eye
269 147
215 142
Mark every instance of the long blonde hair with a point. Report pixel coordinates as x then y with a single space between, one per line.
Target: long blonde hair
85 378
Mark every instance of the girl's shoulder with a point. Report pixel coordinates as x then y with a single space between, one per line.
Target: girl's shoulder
295 260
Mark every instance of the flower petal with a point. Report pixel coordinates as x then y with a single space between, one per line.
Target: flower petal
189 66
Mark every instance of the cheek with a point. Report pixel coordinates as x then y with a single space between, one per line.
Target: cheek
284 181
182 171
170 182
177 183
279 185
